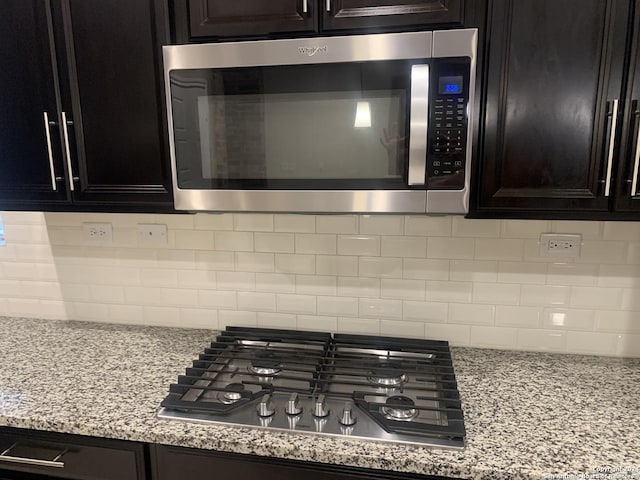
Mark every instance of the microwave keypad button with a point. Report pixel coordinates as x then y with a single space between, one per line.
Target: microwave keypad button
436 163
458 163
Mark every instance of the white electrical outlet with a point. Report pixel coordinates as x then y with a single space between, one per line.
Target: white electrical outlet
98 232
565 245
152 234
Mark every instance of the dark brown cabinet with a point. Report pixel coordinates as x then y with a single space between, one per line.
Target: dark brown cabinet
347 14
628 178
210 20
554 109
27 454
174 463
94 69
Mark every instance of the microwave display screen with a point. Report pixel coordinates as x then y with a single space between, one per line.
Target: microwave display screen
450 85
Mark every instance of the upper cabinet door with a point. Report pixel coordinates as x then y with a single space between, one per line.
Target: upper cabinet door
347 14
628 193
224 18
114 101
553 107
30 156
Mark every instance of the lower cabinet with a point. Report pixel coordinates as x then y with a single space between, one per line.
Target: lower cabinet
175 463
26 454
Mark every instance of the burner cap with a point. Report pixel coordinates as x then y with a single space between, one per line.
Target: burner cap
232 393
387 375
265 363
399 407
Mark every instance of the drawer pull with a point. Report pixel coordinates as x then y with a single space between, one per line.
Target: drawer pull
55 463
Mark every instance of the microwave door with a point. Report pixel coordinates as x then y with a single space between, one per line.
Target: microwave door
418 124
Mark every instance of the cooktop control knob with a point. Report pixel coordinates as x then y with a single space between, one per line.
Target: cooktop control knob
265 407
319 409
292 407
347 419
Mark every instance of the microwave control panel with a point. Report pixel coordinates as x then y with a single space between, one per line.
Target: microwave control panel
448 124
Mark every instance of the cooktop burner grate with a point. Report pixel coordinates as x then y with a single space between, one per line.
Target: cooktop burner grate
379 388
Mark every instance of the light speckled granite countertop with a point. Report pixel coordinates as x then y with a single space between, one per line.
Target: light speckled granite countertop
526 414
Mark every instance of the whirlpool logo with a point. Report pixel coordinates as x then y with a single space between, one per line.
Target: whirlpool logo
311 51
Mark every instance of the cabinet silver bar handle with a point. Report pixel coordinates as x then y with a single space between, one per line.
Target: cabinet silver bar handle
418 124
612 143
328 5
636 165
305 6
47 134
67 150
55 463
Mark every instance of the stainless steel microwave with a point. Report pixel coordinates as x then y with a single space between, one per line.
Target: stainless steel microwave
376 123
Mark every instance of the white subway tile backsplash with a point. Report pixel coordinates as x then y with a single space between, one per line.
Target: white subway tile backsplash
321 244
276 320
337 224
450 248
568 319
425 269
378 308
255 262
524 228
619 276
235 281
383 267
496 293
425 311
205 221
303 304
316 285
382 224
402 289
457 335
471 314
254 301
572 274
545 340
396 328
274 242
499 249
457 292
527 317
591 343
596 297
234 241
544 295
364 326
338 306
472 282
295 223
494 337
522 272
315 323
622 231
473 270
617 321
217 299
238 318
275 282
253 222
475 228
345 266
428 226
293 263
358 287
358 245
198 318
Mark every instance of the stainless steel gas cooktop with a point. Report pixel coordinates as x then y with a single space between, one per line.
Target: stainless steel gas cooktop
366 387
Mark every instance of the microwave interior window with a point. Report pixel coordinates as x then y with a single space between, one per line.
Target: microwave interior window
302 127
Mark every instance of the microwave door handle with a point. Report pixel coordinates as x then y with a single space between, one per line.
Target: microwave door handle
418 124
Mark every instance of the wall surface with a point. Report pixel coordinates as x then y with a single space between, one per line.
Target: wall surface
472 282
